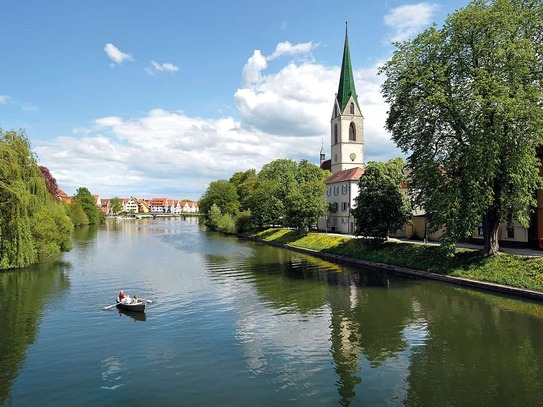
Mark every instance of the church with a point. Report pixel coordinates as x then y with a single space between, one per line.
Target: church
347 152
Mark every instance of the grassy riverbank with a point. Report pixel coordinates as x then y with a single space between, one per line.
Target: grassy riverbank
507 269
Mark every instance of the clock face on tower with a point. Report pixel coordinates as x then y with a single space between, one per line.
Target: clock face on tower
352 156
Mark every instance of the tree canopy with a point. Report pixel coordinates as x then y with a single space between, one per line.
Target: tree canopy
466 105
381 206
32 223
283 192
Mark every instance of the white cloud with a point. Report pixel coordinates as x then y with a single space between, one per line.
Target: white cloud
282 114
286 48
116 55
408 20
165 67
4 99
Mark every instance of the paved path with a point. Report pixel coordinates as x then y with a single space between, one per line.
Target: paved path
512 250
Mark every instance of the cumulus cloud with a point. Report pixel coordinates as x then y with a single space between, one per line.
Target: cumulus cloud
116 55
408 20
286 48
283 113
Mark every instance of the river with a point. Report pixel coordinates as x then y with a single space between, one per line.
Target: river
233 323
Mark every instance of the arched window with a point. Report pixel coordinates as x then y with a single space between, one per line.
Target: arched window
352 108
335 134
352 132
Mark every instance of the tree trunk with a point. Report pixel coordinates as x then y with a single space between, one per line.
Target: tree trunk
491 224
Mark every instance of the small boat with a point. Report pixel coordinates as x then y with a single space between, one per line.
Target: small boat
133 306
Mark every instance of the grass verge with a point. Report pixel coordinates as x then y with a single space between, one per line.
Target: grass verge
507 269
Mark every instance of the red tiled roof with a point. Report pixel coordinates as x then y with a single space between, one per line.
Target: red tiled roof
352 174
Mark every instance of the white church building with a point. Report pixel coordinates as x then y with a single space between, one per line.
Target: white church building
347 152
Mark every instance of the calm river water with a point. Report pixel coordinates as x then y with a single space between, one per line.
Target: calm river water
235 323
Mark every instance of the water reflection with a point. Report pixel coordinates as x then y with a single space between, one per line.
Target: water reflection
136 316
23 295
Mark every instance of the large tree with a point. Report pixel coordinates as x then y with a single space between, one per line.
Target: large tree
32 224
223 194
381 205
466 105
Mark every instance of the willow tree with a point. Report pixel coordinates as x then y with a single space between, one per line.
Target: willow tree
31 223
466 106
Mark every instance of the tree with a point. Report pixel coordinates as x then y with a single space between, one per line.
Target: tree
77 214
245 183
115 205
466 104
305 204
266 208
381 207
221 193
87 202
32 224
50 181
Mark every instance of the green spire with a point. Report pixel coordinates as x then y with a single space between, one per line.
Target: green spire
346 80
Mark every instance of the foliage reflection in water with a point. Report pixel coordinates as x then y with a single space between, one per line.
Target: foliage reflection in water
233 322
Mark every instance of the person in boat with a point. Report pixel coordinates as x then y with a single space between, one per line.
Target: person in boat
135 300
124 298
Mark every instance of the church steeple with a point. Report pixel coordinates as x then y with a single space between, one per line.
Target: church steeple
346 80
347 123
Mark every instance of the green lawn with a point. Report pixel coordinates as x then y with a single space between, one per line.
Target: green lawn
507 269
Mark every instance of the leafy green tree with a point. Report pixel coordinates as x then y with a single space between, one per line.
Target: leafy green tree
51 230
266 208
87 202
221 193
77 214
466 105
31 223
283 173
305 204
115 205
381 206
245 183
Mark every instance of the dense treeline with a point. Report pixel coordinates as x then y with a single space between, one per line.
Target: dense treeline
33 221
282 193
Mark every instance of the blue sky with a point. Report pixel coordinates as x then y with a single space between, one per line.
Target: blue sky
159 98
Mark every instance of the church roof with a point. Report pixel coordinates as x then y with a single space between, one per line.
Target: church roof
352 174
346 87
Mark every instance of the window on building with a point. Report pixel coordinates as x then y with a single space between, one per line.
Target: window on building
510 233
352 108
344 206
352 132
335 134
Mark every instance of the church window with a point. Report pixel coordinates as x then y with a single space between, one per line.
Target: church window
352 132
335 134
352 108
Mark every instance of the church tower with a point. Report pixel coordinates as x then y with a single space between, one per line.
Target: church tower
347 123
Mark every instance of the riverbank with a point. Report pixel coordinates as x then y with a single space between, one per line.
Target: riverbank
507 273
